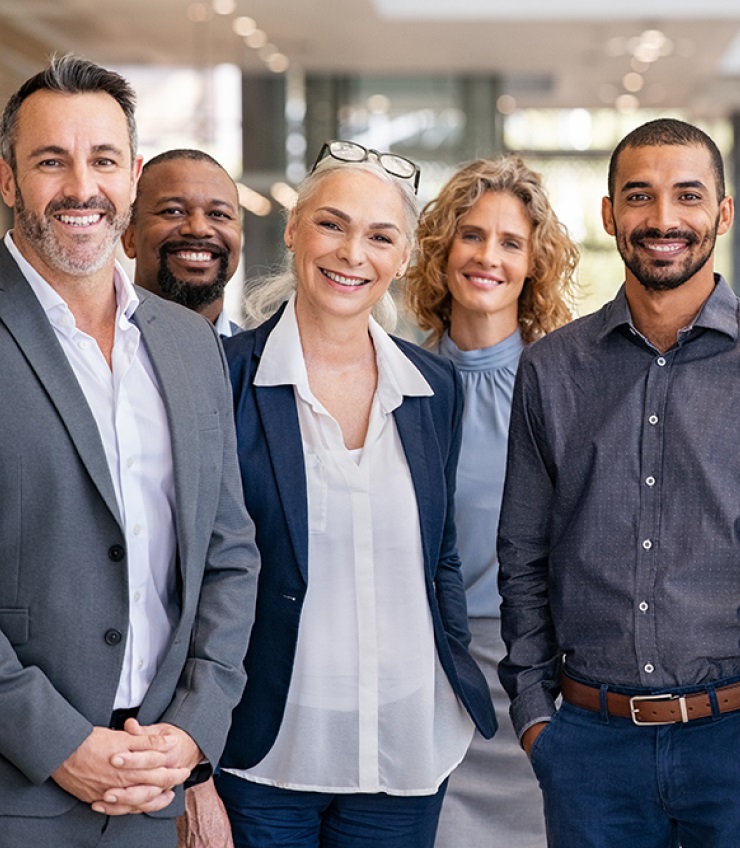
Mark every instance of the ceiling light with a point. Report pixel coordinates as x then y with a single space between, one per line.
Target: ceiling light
198 12
506 104
295 144
653 37
633 82
646 52
224 7
284 194
256 39
626 103
278 63
244 26
253 201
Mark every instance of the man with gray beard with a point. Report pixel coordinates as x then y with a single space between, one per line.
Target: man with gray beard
127 560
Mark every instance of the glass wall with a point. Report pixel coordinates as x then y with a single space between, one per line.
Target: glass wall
441 121
571 148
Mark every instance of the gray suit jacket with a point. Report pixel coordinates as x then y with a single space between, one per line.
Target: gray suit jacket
63 569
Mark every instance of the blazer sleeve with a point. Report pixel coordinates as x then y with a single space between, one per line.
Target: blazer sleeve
213 678
449 581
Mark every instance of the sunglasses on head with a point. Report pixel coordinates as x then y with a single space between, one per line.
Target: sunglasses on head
351 151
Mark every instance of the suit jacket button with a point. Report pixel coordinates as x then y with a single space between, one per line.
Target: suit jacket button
113 637
116 553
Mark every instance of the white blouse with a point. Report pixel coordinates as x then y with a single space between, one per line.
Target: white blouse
369 707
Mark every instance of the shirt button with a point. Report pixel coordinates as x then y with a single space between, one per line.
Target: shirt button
649 668
661 361
140 664
653 419
137 529
650 481
137 597
647 544
643 606
129 462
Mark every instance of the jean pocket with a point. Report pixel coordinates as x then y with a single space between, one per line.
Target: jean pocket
535 752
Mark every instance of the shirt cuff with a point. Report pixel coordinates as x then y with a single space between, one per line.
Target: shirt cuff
534 705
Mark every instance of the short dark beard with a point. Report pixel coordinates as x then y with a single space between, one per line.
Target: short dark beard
649 277
191 295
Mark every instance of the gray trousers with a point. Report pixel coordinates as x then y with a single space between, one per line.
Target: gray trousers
82 828
493 799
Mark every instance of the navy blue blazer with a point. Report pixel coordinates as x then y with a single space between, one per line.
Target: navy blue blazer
274 481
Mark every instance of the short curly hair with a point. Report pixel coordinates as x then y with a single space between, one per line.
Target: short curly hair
544 303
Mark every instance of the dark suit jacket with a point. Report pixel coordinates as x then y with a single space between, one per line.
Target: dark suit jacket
63 572
272 463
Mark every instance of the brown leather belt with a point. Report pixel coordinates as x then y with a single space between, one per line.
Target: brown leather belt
652 709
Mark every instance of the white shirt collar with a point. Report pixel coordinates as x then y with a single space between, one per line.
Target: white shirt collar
54 305
223 325
282 363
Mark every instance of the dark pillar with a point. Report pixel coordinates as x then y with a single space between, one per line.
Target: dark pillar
484 126
264 157
325 96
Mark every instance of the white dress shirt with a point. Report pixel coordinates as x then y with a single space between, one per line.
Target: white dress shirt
127 406
369 707
223 325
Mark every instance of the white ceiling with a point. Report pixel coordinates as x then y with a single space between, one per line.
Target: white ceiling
550 53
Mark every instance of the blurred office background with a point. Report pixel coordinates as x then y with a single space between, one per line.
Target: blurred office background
260 84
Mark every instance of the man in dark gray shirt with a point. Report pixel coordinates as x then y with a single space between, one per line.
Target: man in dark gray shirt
619 540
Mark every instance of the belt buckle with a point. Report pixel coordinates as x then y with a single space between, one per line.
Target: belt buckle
635 709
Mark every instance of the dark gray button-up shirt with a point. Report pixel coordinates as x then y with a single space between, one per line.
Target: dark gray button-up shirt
619 541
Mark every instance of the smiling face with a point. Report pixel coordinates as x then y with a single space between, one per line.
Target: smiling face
665 215
349 242
186 235
489 260
73 184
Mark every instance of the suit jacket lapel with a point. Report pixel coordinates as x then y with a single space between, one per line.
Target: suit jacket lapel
411 420
26 321
277 408
174 386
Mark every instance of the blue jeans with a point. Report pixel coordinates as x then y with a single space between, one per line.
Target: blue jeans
264 816
608 783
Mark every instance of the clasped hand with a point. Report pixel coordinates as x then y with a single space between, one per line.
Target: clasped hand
133 770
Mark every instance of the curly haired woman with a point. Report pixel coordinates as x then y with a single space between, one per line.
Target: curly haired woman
494 272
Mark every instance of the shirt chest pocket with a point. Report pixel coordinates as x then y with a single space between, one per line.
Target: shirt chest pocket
317 493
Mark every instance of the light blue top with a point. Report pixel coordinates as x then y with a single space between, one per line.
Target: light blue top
488 381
